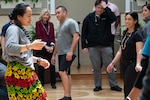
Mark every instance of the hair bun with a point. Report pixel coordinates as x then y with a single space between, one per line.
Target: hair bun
10 15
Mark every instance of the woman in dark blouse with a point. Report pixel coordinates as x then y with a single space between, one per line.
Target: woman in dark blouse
136 90
129 52
45 31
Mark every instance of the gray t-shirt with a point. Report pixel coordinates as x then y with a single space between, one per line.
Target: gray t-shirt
15 38
64 35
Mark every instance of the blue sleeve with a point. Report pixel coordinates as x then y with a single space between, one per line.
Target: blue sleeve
146 48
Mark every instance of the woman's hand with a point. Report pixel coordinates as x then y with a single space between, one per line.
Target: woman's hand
85 50
69 56
44 63
37 44
138 68
53 60
110 67
49 48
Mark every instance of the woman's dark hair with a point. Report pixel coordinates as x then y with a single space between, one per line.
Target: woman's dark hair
10 16
134 15
19 10
147 6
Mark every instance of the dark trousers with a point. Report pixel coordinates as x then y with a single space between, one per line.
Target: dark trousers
145 94
144 64
46 55
52 74
129 75
3 94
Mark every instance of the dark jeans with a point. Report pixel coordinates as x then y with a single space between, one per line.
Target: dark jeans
3 94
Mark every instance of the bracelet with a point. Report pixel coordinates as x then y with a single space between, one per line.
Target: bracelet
128 98
38 60
138 64
27 47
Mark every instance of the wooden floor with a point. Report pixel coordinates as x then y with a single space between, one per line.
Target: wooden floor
82 87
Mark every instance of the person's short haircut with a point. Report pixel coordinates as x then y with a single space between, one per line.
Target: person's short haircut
62 7
97 2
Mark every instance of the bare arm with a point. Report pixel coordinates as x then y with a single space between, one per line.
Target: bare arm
35 45
115 60
54 54
139 46
74 43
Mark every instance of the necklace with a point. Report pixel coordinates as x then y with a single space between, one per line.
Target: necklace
27 35
125 39
47 31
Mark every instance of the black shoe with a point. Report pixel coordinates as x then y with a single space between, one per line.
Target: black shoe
66 98
42 84
53 86
116 88
97 88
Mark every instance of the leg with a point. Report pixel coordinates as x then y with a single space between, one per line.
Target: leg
53 76
144 64
95 57
134 93
66 81
64 72
107 58
146 89
129 78
41 74
3 94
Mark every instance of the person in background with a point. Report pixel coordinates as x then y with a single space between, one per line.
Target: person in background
136 90
146 80
45 31
115 24
3 90
129 52
4 29
96 38
20 77
67 40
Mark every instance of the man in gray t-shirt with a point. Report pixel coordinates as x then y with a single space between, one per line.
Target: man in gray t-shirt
67 39
3 90
65 35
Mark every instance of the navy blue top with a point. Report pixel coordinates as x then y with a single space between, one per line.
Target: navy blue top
4 29
130 51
